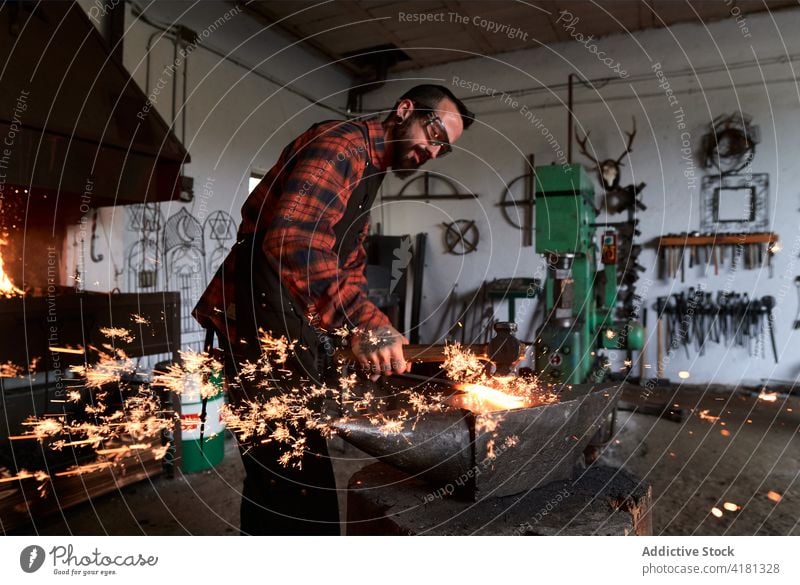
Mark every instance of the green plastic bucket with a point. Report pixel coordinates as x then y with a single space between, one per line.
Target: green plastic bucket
208 450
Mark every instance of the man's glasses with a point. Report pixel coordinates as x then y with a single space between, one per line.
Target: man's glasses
435 131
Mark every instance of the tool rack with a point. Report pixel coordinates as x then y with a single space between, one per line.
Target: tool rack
751 250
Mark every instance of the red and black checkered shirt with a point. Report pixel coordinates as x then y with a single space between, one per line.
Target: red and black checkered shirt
297 205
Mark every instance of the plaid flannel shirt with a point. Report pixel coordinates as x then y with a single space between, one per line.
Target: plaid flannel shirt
297 205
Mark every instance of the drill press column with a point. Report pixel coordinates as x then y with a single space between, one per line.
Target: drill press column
579 299
565 216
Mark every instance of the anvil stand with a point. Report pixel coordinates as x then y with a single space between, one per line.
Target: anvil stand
473 488
599 501
506 493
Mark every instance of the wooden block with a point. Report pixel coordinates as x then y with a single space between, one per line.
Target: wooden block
27 500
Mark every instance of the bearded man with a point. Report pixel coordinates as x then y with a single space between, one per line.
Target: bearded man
297 271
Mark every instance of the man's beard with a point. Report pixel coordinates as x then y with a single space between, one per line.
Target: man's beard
403 162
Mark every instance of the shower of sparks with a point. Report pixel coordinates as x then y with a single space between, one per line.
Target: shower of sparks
72 350
275 349
7 288
43 428
342 332
112 365
113 431
117 333
480 398
292 410
768 396
84 469
9 370
284 412
25 474
484 393
462 365
139 320
190 378
774 496
140 419
284 416
703 414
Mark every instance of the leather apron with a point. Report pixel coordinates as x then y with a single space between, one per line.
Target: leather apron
278 499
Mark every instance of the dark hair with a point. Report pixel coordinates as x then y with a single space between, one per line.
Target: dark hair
428 96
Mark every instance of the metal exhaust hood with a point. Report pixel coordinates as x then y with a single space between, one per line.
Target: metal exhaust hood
76 130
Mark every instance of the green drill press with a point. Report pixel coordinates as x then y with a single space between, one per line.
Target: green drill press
579 300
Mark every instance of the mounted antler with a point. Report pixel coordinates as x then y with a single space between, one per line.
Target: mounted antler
631 136
608 170
582 144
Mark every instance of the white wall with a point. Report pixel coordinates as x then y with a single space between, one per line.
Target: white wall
231 129
235 121
723 76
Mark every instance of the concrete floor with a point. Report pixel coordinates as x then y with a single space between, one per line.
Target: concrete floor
697 465
693 466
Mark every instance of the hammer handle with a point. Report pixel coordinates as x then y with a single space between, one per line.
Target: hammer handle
421 352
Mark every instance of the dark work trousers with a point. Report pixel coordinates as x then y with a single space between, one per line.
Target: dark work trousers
276 499
281 500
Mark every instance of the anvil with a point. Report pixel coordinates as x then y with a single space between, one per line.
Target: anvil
494 454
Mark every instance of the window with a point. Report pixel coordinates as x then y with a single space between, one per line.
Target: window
255 179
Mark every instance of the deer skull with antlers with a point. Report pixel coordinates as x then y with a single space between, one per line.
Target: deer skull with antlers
608 170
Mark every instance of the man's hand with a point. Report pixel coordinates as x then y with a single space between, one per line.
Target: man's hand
380 351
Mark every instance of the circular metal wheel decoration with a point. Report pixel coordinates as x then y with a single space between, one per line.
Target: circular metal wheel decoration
520 205
524 206
730 143
461 237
